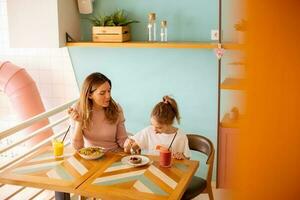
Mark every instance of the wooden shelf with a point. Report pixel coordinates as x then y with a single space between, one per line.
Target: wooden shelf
143 44
229 123
237 63
233 84
233 46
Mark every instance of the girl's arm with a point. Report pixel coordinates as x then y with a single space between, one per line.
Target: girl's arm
180 156
185 152
128 144
131 144
138 141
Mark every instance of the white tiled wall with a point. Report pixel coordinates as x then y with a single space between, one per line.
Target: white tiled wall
50 68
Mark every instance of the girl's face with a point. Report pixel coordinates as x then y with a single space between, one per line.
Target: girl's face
160 128
101 96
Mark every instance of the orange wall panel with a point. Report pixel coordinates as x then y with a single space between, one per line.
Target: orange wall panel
268 164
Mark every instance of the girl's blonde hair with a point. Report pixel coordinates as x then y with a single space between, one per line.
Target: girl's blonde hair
85 105
166 111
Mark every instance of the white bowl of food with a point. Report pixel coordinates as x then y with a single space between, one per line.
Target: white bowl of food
91 153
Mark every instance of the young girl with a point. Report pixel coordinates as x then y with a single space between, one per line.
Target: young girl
98 119
161 133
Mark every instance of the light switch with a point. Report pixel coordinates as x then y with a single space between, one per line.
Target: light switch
214 34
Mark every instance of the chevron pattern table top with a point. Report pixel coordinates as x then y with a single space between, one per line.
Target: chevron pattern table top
106 178
43 170
117 180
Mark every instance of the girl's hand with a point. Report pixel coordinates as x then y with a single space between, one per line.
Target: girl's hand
73 113
128 144
135 149
178 156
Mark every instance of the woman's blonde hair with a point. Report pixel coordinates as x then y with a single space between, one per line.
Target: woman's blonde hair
85 105
166 111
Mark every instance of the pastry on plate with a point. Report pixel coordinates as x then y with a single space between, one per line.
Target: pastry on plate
135 160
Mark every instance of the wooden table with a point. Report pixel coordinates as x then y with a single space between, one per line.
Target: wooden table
120 181
43 170
106 178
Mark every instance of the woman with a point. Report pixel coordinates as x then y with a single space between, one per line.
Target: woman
98 119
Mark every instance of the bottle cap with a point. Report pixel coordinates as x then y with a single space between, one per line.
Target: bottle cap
163 23
151 16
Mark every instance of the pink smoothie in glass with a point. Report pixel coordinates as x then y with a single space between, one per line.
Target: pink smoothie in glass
165 158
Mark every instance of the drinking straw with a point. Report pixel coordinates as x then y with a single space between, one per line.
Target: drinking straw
172 141
66 133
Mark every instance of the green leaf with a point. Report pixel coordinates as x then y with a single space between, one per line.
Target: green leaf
117 18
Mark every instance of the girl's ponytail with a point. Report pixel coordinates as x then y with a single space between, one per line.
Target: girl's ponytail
166 111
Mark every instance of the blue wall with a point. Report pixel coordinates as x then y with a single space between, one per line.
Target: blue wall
188 20
142 76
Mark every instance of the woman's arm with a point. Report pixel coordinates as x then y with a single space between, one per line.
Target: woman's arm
77 139
121 134
73 113
76 128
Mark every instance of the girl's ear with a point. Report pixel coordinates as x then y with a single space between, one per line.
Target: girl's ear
90 96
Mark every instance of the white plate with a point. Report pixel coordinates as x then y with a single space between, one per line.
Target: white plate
145 160
92 156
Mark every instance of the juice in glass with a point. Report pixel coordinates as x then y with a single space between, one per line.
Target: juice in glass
165 157
58 148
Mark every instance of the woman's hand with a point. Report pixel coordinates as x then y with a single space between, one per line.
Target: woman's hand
179 156
73 113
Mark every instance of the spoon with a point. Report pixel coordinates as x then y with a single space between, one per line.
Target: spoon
135 151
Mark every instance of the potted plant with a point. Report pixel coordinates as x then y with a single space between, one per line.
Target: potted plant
111 28
241 28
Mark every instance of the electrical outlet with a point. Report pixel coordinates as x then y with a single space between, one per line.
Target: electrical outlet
214 34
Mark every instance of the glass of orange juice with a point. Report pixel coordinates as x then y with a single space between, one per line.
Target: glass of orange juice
58 147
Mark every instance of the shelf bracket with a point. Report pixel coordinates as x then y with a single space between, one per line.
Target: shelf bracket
219 51
69 38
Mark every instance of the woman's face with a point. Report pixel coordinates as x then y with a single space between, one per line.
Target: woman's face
101 96
159 128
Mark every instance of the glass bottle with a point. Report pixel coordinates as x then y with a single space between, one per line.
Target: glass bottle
151 27
163 31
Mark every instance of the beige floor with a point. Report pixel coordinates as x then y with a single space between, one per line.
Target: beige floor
219 194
